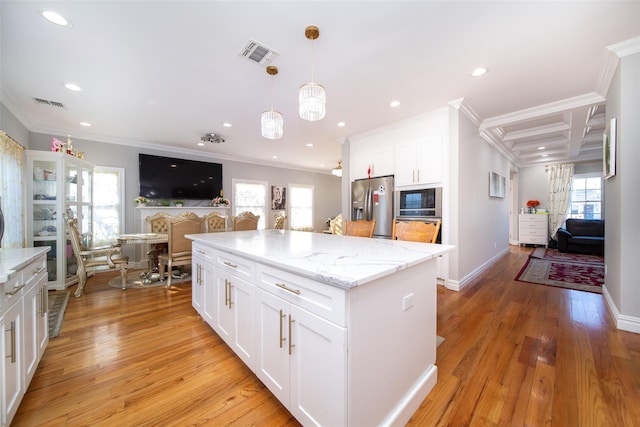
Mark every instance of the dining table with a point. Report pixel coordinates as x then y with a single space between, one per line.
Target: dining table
146 239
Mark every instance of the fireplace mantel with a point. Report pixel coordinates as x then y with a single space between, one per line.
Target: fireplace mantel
147 211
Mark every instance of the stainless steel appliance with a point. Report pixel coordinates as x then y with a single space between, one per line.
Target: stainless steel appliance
419 203
373 199
424 204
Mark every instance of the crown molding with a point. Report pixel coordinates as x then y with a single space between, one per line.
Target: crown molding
487 136
463 106
543 110
626 48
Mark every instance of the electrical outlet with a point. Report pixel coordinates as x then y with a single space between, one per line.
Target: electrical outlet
407 302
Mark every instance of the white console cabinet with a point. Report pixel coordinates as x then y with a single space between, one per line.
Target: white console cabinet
533 229
23 323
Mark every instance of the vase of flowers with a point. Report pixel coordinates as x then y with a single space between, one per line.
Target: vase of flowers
220 202
141 201
532 205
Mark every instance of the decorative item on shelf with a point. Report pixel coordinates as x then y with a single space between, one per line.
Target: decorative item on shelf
69 146
56 145
166 202
178 203
220 202
532 204
271 121
312 97
141 201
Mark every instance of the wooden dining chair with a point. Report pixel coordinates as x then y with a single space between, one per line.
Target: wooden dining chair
158 223
360 228
215 222
415 231
179 253
245 221
95 259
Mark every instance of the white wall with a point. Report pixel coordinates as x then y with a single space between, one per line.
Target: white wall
622 204
13 127
533 185
482 222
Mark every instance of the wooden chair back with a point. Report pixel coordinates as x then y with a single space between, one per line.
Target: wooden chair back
179 246
360 228
215 222
189 215
416 231
159 223
245 221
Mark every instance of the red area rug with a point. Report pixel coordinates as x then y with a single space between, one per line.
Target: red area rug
571 271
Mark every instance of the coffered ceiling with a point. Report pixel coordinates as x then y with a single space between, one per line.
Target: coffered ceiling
166 73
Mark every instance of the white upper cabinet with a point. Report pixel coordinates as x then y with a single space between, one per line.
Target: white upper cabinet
414 150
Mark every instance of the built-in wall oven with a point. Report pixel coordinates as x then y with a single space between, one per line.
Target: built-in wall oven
424 204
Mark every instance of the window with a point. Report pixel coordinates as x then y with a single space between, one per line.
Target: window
586 197
301 206
250 196
108 192
11 171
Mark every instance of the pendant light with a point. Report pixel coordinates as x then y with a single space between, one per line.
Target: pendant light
337 171
272 122
311 96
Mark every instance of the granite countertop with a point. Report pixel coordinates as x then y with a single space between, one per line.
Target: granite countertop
12 260
340 261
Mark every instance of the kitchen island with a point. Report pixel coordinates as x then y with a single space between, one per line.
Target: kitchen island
341 329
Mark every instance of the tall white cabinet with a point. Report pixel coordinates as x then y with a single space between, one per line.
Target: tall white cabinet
58 183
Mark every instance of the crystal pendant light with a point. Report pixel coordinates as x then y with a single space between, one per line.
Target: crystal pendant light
311 96
272 122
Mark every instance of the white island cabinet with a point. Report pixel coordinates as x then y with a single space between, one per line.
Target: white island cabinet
23 323
341 329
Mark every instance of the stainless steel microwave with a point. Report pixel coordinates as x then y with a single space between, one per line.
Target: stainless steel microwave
419 203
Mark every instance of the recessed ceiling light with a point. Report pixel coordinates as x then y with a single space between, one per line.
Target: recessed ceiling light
74 87
545 155
479 72
85 124
274 157
56 18
227 124
541 148
341 124
201 144
309 145
394 104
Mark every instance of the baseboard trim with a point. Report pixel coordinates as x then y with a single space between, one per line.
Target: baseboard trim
458 285
623 322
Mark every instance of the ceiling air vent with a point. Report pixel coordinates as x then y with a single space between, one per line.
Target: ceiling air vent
258 53
49 103
213 138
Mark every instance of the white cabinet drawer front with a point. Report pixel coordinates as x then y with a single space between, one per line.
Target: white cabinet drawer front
34 271
13 290
235 265
533 218
534 240
539 232
206 254
323 300
533 225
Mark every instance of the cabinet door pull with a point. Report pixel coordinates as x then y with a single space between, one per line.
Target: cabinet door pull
413 176
201 252
15 290
44 307
199 275
418 175
12 331
286 288
226 292
282 338
35 273
230 264
291 344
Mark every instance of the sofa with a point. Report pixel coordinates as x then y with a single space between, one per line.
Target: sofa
584 236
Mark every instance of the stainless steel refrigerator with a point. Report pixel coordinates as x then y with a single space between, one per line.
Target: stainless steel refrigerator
373 199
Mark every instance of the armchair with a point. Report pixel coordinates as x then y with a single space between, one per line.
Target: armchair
95 259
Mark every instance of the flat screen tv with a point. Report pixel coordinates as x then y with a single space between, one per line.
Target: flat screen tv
168 178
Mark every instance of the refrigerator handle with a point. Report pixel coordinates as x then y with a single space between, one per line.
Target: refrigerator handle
367 205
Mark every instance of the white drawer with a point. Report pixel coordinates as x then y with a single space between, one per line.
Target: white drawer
240 267
32 273
203 252
533 232
318 298
13 290
525 218
535 240
533 226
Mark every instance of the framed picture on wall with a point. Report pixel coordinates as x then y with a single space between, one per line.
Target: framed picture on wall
278 198
497 185
609 150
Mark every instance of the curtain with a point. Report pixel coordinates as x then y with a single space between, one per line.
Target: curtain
560 178
11 172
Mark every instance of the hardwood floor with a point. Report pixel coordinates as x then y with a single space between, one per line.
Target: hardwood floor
514 354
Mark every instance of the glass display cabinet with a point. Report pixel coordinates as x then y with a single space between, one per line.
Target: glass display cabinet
58 183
